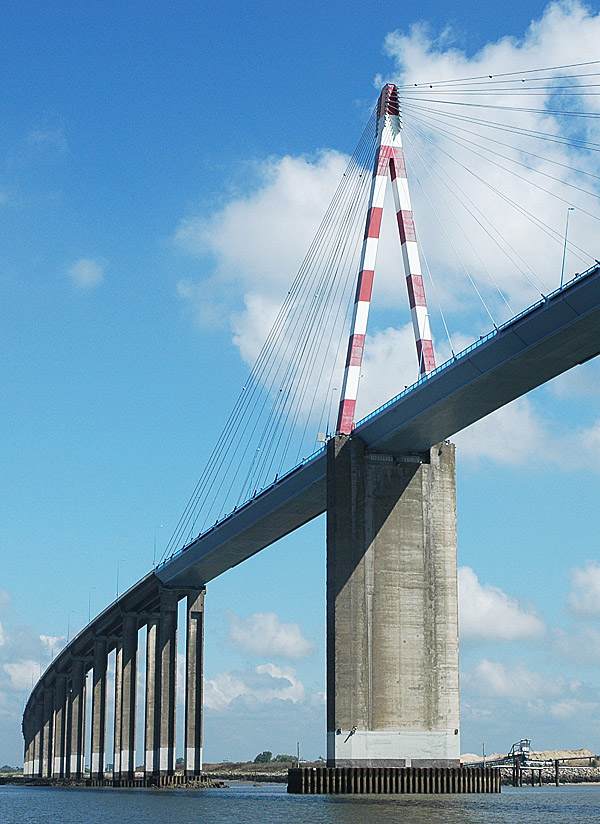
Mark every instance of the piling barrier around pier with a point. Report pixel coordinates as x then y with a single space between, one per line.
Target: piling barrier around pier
392 780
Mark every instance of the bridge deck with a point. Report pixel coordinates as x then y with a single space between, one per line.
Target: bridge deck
544 341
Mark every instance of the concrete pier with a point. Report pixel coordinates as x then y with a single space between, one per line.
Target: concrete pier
59 748
193 685
76 719
128 694
392 618
99 708
167 660
152 716
118 714
38 715
47 730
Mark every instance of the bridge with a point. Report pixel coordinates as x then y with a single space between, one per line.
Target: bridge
387 484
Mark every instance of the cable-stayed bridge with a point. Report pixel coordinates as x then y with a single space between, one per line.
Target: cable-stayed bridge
386 482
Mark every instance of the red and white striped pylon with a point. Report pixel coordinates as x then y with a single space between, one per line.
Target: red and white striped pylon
389 157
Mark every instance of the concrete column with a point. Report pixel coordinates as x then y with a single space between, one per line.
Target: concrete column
128 694
152 718
76 715
48 713
60 726
38 732
168 662
99 708
194 667
118 704
27 742
392 617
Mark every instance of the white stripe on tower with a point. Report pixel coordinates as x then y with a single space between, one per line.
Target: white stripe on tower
410 257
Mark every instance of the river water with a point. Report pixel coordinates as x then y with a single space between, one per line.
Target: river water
270 804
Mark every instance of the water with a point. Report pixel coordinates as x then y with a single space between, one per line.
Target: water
270 804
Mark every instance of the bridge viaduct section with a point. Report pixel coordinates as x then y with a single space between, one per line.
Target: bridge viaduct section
54 722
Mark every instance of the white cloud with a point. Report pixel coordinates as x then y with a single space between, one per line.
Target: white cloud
267 682
264 634
584 596
518 682
2 636
22 674
581 644
86 273
488 613
52 643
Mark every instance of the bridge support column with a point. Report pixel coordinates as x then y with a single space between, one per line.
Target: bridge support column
76 718
48 713
194 659
99 708
118 713
59 747
392 623
128 689
152 719
28 747
38 733
167 661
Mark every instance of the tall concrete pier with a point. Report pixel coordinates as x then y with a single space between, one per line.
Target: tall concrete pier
392 622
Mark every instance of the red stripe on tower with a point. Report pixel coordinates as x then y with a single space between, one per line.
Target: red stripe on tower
406 225
416 291
426 356
364 287
373 221
356 346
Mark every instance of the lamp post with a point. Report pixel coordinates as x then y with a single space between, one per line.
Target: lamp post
562 271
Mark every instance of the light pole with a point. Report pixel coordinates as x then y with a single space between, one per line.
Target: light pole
71 612
562 271
118 565
92 589
156 528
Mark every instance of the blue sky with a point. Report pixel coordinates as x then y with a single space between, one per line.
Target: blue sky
130 135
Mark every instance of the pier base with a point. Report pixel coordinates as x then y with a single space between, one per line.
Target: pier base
392 780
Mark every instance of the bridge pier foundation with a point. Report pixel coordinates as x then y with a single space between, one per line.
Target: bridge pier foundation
392 622
194 682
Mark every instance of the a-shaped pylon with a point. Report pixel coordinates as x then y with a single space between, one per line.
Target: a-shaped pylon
389 159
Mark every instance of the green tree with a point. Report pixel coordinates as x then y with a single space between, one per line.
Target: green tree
283 758
263 757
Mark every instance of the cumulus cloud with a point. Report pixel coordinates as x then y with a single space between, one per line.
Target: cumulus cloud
496 679
86 273
267 682
2 636
488 613
52 643
22 673
584 596
264 634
